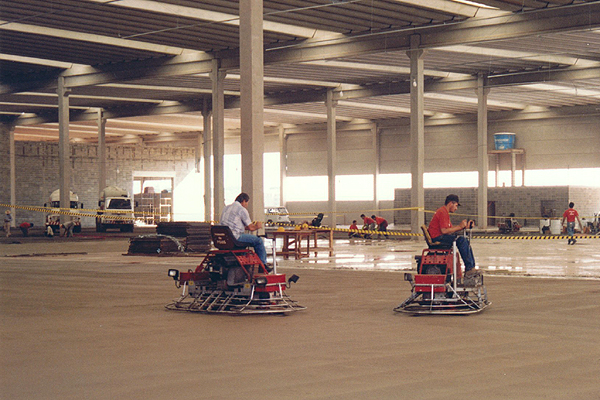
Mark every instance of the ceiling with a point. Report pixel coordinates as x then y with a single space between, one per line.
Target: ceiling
147 63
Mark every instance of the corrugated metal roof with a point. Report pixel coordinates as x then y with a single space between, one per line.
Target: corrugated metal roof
357 47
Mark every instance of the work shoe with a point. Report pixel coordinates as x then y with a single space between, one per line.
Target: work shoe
472 273
573 241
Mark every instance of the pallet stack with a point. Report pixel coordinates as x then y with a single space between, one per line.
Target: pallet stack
174 237
154 244
198 238
175 229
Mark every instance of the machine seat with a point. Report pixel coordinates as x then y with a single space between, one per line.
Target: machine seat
430 243
223 238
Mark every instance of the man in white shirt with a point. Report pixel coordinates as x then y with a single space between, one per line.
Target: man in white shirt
237 218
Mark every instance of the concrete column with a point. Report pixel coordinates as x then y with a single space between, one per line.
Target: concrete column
331 156
64 168
376 152
497 158
417 133
523 169
513 167
482 151
206 144
252 102
101 150
198 151
282 163
13 172
218 110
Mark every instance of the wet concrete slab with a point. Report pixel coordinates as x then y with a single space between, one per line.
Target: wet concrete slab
94 326
543 258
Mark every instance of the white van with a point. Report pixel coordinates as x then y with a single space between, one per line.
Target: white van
277 215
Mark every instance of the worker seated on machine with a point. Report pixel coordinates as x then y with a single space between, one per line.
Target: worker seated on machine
441 230
510 224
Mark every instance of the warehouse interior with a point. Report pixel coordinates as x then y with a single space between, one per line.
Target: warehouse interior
527 67
333 106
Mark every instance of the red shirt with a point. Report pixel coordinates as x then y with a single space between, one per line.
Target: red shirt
368 221
353 226
380 220
441 219
570 215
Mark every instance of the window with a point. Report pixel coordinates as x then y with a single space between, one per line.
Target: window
306 188
386 183
354 187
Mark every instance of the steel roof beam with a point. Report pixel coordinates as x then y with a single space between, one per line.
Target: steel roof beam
214 17
456 8
582 16
576 17
92 38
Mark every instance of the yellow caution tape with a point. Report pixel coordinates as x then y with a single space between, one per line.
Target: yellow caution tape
77 213
539 237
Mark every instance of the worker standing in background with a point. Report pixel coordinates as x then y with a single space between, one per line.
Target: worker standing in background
570 215
7 221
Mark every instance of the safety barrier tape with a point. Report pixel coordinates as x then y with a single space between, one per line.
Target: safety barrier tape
360 231
516 217
538 237
349 212
92 213
308 214
409 234
70 212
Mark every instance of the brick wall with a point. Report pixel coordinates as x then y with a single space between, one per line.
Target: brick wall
525 202
37 165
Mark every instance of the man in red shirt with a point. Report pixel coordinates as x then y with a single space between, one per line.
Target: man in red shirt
369 225
381 225
570 215
25 228
441 230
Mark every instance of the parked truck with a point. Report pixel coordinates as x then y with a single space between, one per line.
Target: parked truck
53 218
116 210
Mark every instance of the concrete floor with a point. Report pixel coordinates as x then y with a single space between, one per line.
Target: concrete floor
82 321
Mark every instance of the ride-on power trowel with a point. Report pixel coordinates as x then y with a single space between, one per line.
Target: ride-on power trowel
233 280
438 287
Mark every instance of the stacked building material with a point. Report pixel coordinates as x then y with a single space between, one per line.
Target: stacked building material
154 244
176 229
198 239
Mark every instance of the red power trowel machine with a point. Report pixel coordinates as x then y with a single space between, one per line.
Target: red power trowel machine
232 280
438 287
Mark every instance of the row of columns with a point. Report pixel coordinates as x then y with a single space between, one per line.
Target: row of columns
252 131
417 144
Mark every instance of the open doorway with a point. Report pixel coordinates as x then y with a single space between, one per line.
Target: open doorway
153 195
